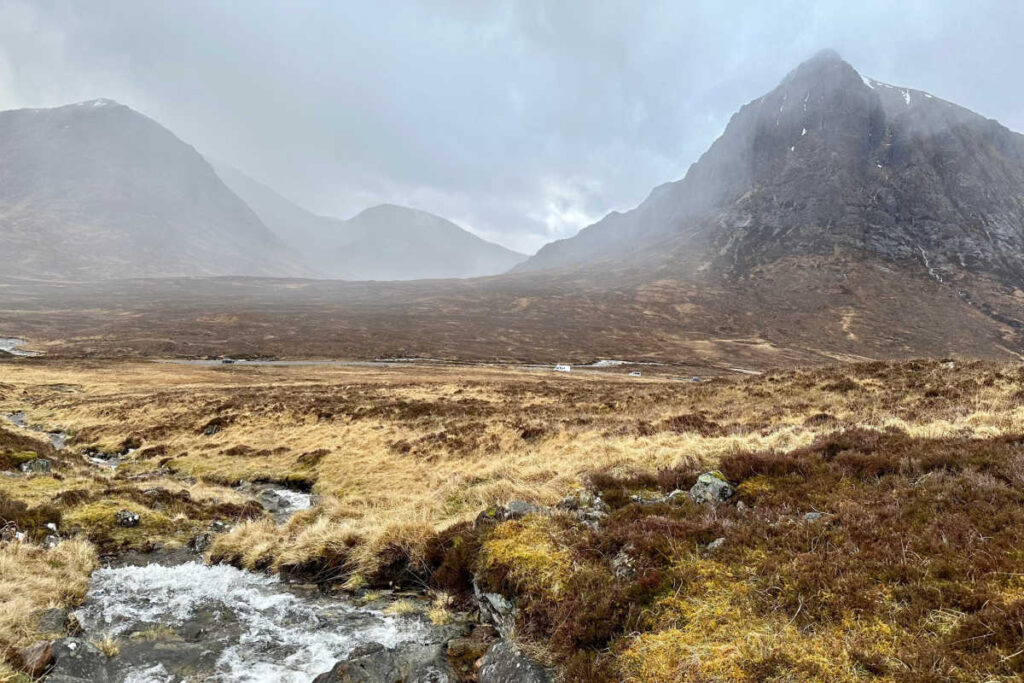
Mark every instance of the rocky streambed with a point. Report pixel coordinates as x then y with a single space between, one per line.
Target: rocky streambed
190 621
169 618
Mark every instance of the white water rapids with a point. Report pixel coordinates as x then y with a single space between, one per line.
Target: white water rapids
251 626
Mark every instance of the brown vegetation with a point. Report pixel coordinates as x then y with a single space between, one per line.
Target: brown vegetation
911 571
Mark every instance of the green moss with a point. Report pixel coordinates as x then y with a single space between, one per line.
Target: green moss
98 521
12 460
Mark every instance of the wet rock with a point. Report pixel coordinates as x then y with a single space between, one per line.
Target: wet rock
36 658
505 663
271 501
180 661
127 519
716 544
78 661
53 620
37 466
711 487
495 609
200 542
465 651
410 663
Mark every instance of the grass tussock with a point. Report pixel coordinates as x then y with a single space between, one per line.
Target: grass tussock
34 579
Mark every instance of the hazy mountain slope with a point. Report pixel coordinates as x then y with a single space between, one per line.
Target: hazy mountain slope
313 236
385 242
830 160
398 243
97 190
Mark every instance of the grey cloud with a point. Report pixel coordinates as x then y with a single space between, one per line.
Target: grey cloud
521 120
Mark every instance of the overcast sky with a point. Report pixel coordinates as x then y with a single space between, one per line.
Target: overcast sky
522 121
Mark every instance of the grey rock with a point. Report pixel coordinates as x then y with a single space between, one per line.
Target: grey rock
516 509
37 466
409 663
78 661
127 518
587 507
505 663
53 620
622 564
813 516
200 542
716 544
711 487
50 541
495 609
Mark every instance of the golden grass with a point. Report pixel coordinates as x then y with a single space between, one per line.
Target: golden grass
33 579
396 456
406 452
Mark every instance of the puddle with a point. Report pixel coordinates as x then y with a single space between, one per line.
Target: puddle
219 623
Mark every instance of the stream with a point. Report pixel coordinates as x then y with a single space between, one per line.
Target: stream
57 439
194 622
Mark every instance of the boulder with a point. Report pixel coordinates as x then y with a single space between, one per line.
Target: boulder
711 487
505 663
36 658
37 466
127 518
409 663
78 661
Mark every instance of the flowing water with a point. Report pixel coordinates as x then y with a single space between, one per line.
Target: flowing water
57 439
13 347
195 622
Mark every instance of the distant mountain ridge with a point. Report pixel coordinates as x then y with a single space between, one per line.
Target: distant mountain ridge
831 160
385 242
96 190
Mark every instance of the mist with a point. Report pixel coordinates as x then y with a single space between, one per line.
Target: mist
520 121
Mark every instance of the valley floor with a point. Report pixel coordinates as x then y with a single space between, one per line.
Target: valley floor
874 529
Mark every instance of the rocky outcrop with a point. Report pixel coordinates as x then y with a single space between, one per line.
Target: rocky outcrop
505 663
409 663
711 487
127 518
78 661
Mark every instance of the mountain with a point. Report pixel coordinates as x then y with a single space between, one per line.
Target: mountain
398 243
382 243
97 190
831 161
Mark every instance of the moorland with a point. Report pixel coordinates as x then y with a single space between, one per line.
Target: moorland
873 531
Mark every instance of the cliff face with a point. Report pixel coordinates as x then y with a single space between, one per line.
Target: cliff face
833 160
